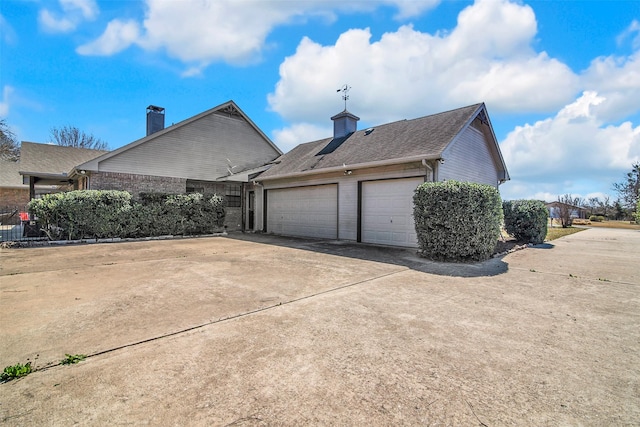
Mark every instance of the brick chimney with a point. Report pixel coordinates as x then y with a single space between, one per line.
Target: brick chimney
155 119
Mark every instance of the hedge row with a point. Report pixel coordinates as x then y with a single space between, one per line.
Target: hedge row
457 221
526 219
99 214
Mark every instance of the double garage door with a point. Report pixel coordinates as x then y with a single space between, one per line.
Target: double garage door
386 215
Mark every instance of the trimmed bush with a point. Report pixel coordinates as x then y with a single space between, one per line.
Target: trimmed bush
457 221
526 220
596 218
158 214
83 214
103 214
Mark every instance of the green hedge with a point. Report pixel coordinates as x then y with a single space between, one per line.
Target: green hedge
98 214
596 218
457 221
526 220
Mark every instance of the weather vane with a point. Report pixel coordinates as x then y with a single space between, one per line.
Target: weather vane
345 94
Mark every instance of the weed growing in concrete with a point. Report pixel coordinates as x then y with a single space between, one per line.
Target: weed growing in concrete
16 371
71 359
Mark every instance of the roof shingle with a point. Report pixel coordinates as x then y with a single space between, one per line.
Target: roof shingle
425 136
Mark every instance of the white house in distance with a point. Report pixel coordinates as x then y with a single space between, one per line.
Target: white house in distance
359 185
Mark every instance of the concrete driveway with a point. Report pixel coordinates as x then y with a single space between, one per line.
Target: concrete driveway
260 330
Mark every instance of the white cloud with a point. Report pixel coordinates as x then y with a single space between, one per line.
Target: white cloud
118 36
632 32
204 31
7 32
618 80
73 13
410 8
289 137
407 73
4 103
571 149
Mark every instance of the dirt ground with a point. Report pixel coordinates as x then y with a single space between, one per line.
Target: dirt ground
252 330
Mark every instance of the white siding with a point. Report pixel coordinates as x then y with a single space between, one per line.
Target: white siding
468 159
198 150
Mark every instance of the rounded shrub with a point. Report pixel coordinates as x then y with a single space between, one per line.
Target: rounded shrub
457 221
526 220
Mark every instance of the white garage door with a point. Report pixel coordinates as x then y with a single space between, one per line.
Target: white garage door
387 212
304 211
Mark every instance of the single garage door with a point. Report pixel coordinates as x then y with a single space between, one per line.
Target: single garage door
304 211
387 212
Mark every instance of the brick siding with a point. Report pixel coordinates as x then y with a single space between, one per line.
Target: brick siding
136 184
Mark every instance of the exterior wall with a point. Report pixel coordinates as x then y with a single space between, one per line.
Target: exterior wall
136 184
347 191
468 158
198 150
233 219
13 197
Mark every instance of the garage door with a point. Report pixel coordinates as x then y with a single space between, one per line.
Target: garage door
387 212
304 211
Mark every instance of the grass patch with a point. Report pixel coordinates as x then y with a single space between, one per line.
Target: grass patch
557 232
626 225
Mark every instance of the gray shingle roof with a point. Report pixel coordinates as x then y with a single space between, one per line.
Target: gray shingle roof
43 159
425 136
53 159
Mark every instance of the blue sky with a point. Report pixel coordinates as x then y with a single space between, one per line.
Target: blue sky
561 80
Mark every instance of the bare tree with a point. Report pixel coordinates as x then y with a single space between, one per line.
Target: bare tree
567 204
629 189
9 146
71 136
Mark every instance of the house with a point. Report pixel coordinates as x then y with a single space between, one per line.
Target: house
555 209
358 185
217 151
19 183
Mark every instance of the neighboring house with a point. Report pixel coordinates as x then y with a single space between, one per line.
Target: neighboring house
574 211
19 184
217 151
359 185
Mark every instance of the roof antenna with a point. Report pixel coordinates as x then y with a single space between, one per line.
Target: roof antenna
345 90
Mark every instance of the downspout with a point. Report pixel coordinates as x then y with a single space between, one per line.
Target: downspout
429 168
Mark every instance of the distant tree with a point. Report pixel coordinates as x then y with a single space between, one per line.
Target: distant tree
9 146
605 207
629 189
71 136
566 205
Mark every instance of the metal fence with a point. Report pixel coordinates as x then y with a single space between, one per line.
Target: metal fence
16 224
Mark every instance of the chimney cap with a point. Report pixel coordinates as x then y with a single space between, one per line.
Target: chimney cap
155 108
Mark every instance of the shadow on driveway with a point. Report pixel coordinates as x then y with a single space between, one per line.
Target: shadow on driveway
385 254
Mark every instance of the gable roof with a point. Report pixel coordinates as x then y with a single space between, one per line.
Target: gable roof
229 107
53 159
397 142
50 163
9 174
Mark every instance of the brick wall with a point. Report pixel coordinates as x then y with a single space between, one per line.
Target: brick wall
136 184
13 197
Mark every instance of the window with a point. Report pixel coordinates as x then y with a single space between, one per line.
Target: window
234 195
